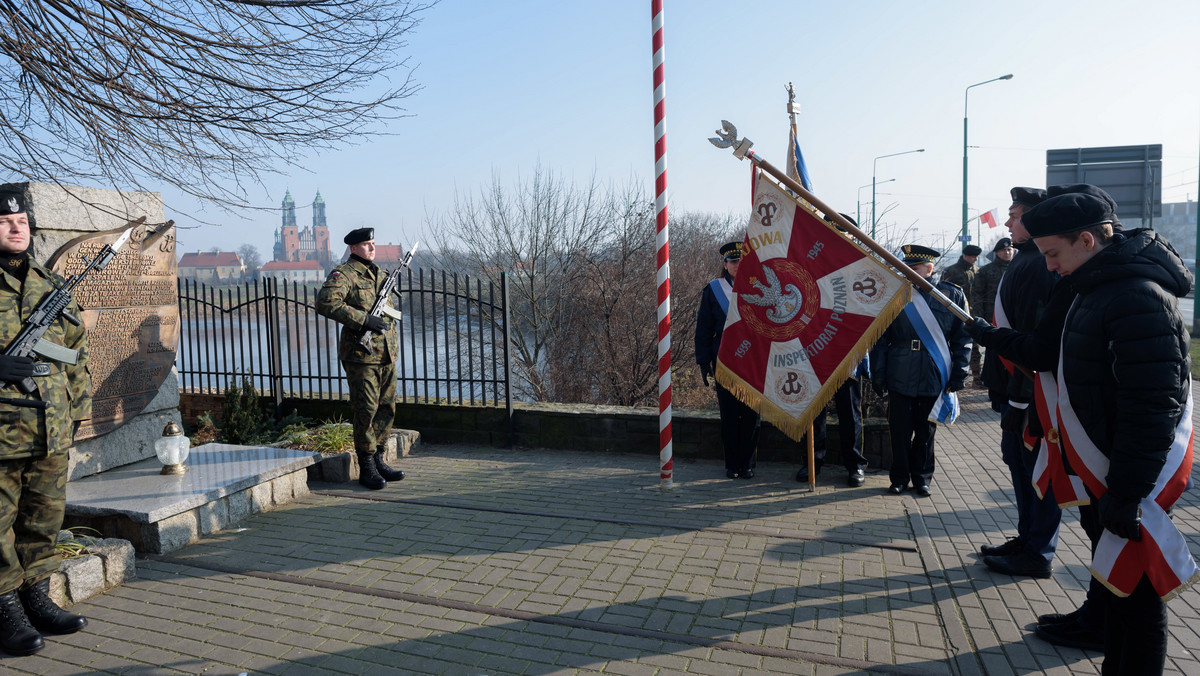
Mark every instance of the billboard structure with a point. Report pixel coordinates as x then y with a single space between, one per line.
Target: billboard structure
1131 174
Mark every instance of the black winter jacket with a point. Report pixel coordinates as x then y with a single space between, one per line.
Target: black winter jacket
1125 355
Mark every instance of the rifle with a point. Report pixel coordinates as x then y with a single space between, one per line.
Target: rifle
30 340
381 306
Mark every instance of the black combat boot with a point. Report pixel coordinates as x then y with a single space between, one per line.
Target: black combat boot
17 636
386 472
368 474
45 614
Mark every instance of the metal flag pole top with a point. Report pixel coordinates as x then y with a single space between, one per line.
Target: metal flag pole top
664 257
727 138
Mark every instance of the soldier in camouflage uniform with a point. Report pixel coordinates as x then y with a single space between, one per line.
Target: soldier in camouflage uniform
346 298
33 444
987 280
962 274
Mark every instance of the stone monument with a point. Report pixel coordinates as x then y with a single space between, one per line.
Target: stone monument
130 309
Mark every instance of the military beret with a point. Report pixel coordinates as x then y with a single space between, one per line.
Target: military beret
11 202
1029 197
971 250
1066 213
1003 243
1083 188
732 251
359 236
915 253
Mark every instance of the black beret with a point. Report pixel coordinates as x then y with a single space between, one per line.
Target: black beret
1003 243
1066 213
359 236
1029 197
732 251
1083 188
971 250
915 253
11 202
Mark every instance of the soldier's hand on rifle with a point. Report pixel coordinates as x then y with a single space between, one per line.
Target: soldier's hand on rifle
15 369
375 324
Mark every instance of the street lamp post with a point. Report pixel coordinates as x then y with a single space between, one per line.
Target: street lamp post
874 221
965 236
860 189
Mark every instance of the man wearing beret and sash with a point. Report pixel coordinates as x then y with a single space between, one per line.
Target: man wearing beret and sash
347 298
1124 411
34 440
920 361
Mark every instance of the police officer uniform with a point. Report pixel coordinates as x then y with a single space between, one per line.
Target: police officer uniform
347 298
903 365
739 422
33 445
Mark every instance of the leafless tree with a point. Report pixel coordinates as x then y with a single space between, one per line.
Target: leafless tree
538 232
203 95
250 258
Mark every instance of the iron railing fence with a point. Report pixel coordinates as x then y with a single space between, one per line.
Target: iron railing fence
454 340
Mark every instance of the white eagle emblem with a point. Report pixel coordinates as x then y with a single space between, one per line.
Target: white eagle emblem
785 304
12 205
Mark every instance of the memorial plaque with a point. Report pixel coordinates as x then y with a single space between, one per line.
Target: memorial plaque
131 312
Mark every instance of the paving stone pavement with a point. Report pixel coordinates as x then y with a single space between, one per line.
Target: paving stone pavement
490 561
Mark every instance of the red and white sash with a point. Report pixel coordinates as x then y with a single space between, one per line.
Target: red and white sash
1162 554
1048 470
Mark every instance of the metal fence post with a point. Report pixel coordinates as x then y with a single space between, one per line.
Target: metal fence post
508 403
276 346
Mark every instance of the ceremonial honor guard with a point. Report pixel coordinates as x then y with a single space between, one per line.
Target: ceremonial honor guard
1125 411
920 362
739 422
1024 294
36 429
347 298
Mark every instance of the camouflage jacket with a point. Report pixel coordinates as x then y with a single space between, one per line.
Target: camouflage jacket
346 298
987 283
27 432
962 275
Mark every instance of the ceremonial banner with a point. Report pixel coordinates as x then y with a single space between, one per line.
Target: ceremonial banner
808 304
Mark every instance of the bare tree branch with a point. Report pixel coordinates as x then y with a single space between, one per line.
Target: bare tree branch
203 95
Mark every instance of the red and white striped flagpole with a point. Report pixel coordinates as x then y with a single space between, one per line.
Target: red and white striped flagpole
664 254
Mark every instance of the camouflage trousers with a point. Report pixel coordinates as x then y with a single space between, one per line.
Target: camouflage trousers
33 499
372 403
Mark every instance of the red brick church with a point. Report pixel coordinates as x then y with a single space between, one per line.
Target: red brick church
310 244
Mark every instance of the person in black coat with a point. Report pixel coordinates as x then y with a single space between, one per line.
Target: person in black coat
903 365
739 422
1126 372
1023 295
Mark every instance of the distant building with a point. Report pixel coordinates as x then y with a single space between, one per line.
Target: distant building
301 272
212 266
1177 224
310 244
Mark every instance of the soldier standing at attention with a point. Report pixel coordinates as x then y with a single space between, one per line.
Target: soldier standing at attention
347 298
963 275
33 444
739 422
920 358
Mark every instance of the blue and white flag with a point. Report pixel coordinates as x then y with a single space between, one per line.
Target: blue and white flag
795 167
945 409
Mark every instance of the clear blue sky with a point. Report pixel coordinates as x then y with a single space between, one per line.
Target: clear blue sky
568 85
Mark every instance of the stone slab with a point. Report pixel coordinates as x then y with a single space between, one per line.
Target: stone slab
141 494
